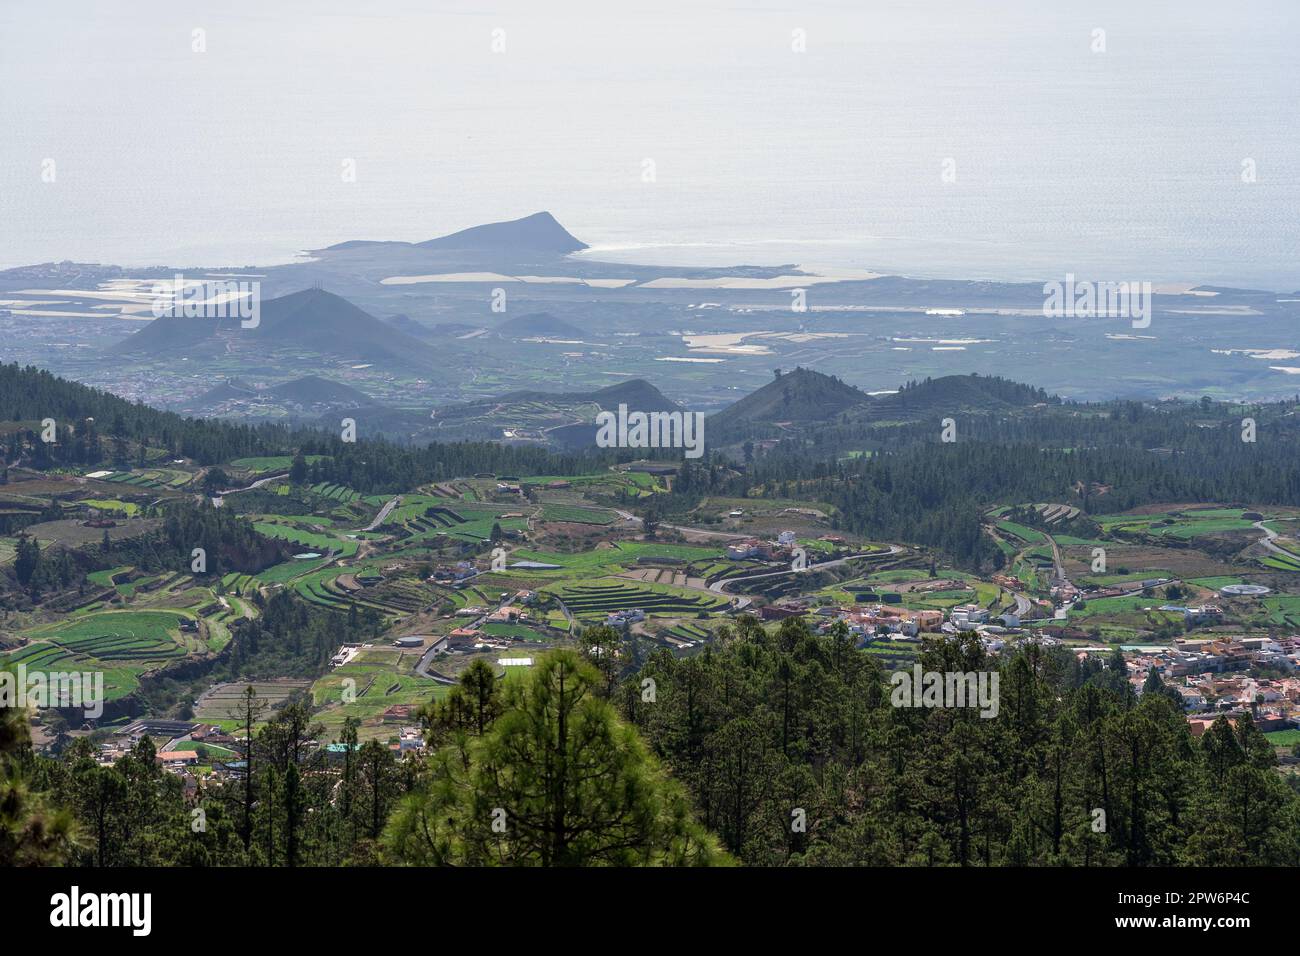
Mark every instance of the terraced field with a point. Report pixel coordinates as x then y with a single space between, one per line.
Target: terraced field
123 644
606 595
111 505
151 478
622 554
688 632
270 463
335 492
1180 525
422 517
1027 535
576 514
392 598
323 543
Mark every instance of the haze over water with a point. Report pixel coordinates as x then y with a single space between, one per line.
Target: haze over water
1121 165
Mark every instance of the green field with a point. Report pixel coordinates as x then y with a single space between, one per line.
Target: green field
621 554
1182 526
323 543
123 644
129 508
1027 535
576 514
603 596
270 463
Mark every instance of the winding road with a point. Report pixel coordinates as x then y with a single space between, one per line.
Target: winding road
384 512
1268 542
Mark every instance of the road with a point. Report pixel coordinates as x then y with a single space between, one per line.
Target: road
384 512
1267 541
216 500
1058 566
422 668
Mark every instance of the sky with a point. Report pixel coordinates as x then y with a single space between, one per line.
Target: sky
1007 140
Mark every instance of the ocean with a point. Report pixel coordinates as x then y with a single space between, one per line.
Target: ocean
1001 140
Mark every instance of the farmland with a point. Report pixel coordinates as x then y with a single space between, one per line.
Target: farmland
563 540
606 595
123 644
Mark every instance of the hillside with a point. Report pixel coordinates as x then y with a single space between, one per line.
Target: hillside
228 391
954 393
562 418
309 321
538 325
315 390
539 232
799 396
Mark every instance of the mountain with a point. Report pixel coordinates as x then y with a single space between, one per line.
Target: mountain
564 418
954 393
803 398
538 325
536 233
309 321
797 397
315 390
307 392
408 326
228 391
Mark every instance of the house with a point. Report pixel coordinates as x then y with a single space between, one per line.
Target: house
337 752
1192 699
742 550
968 615
464 637
172 759
623 618
157 727
461 571
928 619
398 713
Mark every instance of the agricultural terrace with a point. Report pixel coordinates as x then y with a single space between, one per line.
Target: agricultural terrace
610 555
122 644
269 463
422 517
1181 525
606 595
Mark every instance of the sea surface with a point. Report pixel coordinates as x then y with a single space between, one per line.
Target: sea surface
710 133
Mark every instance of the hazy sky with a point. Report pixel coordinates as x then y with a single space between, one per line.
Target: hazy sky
1126 162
